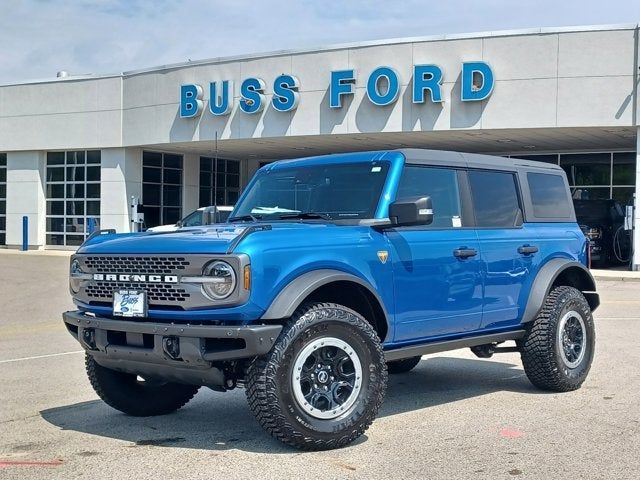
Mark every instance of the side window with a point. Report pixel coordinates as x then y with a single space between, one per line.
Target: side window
441 184
548 195
495 199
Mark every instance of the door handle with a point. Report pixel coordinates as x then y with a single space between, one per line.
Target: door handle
465 252
527 249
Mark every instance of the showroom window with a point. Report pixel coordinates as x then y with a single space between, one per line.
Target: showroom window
161 188
3 198
227 175
72 195
596 175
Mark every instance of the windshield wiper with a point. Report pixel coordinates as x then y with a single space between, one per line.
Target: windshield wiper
244 218
305 215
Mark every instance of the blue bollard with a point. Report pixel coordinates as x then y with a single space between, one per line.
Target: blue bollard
25 233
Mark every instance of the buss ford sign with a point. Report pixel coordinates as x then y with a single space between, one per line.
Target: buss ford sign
383 88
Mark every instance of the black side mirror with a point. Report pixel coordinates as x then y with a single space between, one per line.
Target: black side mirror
411 211
179 224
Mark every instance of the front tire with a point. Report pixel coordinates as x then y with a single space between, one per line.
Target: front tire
139 398
558 347
321 385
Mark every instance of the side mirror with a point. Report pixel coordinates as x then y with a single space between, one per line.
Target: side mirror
411 211
179 224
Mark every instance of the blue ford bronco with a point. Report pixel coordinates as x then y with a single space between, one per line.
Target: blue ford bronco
332 272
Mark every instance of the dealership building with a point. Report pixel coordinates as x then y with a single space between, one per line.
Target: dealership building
74 150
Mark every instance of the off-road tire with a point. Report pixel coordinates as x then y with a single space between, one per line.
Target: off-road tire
124 392
269 382
403 366
540 349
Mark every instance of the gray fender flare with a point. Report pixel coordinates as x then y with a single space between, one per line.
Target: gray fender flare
545 278
291 296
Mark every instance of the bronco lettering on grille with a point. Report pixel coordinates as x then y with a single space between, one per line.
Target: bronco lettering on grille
133 277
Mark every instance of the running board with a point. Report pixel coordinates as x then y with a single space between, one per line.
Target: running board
436 347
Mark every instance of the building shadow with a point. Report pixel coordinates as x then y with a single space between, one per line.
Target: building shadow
222 421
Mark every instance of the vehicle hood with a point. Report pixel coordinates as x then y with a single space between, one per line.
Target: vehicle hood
196 240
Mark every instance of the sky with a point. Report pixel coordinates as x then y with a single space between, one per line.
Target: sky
41 37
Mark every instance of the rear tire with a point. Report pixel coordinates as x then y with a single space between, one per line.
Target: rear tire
321 385
403 366
558 347
124 392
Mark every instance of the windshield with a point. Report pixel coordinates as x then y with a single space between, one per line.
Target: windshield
337 192
194 219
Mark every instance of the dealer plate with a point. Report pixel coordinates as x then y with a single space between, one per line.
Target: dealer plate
130 303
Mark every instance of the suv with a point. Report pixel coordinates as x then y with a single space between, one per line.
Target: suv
334 272
602 221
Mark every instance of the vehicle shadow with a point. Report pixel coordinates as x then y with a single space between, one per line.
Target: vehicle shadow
221 421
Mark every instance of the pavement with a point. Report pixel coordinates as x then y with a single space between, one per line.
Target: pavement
454 416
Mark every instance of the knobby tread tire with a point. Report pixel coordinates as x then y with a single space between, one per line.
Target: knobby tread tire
538 348
404 365
262 388
120 391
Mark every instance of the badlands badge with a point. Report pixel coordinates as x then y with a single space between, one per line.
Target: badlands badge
383 255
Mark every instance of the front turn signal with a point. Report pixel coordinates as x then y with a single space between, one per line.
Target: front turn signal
247 277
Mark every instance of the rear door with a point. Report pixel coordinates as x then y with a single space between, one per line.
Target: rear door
437 269
509 249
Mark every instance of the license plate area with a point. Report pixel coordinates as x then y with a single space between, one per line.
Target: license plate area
130 303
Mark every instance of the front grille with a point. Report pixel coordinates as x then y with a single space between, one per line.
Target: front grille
155 292
148 265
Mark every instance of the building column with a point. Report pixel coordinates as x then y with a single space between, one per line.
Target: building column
190 183
120 179
26 197
636 212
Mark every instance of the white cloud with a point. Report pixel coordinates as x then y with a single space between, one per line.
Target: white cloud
40 37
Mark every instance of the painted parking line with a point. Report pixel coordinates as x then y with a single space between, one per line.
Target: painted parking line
41 356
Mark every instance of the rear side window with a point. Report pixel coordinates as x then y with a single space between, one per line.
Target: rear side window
495 199
441 184
548 195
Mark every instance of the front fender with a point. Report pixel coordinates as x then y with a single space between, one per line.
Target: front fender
581 279
292 296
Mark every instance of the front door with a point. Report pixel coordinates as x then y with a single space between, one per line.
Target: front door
436 267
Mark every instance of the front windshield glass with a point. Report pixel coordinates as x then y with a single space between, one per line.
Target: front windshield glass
337 192
194 219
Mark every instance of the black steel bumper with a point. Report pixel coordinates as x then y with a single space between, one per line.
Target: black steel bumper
182 353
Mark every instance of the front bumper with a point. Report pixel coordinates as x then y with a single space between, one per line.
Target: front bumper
178 352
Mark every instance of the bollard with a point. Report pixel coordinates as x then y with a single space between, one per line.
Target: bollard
25 233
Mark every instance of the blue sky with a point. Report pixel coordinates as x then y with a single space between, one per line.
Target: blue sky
40 37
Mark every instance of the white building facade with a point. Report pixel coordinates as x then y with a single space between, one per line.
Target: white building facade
74 150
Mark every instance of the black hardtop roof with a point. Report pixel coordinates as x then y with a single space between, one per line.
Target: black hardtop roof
471 160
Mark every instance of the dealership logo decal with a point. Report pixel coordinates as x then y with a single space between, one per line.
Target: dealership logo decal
382 89
132 277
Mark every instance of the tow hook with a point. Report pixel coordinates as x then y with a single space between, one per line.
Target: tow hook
171 347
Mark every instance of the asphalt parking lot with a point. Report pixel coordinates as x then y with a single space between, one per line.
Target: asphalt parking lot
454 416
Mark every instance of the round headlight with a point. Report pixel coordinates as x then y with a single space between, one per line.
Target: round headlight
74 283
222 280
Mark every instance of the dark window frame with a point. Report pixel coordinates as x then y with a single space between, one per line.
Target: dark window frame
156 161
207 193
69 161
